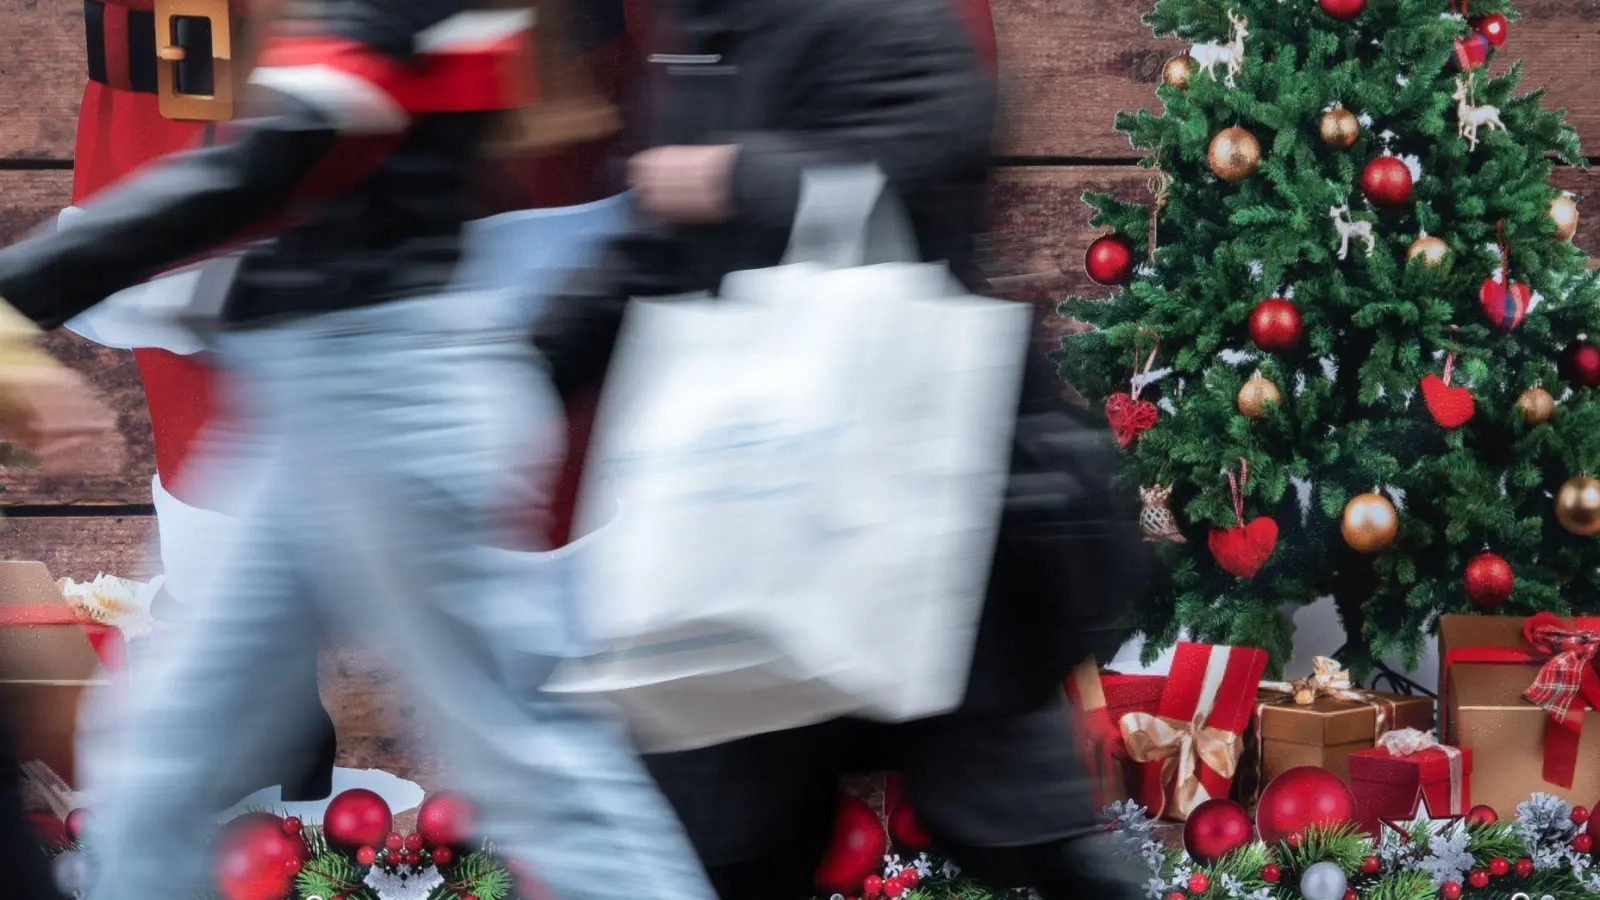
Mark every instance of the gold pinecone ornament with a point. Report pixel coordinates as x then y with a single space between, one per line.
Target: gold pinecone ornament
1155 519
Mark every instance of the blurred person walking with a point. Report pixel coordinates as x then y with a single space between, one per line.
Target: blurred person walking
393 417
749 95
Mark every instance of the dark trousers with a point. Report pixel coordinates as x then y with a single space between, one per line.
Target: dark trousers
22 859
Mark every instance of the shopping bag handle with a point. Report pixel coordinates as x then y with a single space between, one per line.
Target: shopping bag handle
847 217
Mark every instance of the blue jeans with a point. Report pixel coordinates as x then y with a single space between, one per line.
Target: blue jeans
392 440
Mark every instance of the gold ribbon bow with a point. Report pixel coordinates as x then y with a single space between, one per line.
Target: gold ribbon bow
1327 679
1181 748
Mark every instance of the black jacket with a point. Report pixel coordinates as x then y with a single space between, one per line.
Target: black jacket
345 212
795 85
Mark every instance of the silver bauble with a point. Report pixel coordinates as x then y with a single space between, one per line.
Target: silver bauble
1323 881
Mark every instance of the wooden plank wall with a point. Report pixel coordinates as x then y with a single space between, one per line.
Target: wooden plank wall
1068 66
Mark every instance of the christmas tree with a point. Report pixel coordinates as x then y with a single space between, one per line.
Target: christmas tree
1351 357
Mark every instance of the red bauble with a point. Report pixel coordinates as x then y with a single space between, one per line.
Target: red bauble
1302 798
1216 828
1583 843
77 823
1199 883
1489 581
1343 10
442 856
446 819
366 856
1450 890
357 818
1580 815
871 886
857 850
1482 814
1499 866
1493 27
905 831
256 860
1275 325
1524 868
1371 865
1386 181
1581 363
1479 878
1270 873
1109 260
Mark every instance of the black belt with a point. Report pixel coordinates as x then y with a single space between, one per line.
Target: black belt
134 69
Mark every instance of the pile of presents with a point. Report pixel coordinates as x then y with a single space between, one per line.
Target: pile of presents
1508 724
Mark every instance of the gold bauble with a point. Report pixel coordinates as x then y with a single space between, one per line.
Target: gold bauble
1537 406
1340 128
1370 523
1177 72
1235 154
1564 212
1257 397
1578 505
1432 251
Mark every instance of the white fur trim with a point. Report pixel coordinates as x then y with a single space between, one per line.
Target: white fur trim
354 104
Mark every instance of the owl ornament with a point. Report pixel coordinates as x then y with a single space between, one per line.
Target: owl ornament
1155 519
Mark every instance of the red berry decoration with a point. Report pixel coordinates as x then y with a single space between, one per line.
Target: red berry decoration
1301 798
1275 325
394 842
1580 815
1270 873
892 889
366 856
1524 868
1343 10
442 856
1489 583
910 877
1581 363
413 841
859 843
1199 883
1350 894
1216 828
1450 890
1583 843
1482 815
1177 895
1109 260
77 823
1294 840
1479 878
1386 181
292 825
904 829
1371 865
470 897
446 819
1493 27
357 818
1499 866
256 860
871 886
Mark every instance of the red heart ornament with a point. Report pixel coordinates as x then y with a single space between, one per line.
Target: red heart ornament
1505 308
1450 406
1128 417
1242 551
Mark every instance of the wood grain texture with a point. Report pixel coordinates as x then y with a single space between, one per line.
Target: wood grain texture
119 470
82 547
1068 65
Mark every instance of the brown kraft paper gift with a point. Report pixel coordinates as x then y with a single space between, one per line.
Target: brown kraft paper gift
1326 732
1485 711
43 668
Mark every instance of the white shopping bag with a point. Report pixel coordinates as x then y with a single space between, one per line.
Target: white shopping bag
796 487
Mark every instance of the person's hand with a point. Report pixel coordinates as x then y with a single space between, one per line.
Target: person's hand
684 185
52 412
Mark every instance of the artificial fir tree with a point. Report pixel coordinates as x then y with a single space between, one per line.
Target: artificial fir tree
1322 354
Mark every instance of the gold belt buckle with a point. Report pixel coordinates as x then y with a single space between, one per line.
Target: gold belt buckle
218 106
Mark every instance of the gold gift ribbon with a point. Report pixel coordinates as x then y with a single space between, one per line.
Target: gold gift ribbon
1328 678
1181 747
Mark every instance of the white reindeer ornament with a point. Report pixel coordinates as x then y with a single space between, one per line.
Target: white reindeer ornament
1470 118
1230 55
1351 230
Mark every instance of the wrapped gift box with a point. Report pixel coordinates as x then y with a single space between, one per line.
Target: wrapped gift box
1328 730
1131 693
46 662
1486 666
1098 701
1386 785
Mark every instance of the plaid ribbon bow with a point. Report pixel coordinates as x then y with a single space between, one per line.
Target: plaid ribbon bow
1568 676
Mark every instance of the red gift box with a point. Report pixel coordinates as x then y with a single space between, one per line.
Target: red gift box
1387 785
1095 714
1131 693
1188 750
